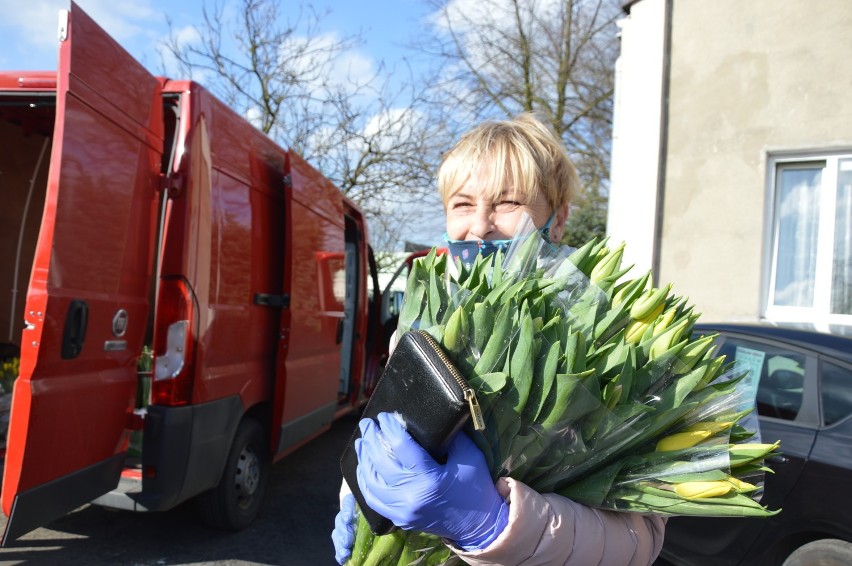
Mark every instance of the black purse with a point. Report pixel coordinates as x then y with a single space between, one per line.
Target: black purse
422 385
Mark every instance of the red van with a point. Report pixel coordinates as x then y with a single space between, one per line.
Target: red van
140 212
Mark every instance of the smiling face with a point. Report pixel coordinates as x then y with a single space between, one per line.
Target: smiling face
501 171
477 211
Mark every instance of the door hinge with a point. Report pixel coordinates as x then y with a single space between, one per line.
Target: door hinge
63 25
171 184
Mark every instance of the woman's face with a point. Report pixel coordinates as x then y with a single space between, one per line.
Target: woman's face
472 214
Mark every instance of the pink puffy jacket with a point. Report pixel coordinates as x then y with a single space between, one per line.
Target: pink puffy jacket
552 530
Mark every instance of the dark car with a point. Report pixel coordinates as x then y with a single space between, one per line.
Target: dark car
804 399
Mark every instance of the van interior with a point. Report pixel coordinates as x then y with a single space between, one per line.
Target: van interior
26 135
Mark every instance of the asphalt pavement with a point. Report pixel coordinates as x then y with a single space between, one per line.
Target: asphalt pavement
293 528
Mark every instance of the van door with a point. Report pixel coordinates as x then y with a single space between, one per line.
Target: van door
87 301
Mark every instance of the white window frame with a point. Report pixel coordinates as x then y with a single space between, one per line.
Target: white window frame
819 315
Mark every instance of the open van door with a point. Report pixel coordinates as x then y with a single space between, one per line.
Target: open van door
87 302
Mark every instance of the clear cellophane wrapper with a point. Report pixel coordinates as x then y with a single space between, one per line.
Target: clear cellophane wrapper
592 386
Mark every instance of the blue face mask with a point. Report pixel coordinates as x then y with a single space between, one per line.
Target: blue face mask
467 250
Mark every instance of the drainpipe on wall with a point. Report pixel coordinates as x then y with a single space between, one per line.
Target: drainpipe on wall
664 138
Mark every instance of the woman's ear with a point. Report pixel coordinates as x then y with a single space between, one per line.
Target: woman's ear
557 228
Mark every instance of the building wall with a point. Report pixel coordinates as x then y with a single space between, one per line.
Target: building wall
747 79
636 134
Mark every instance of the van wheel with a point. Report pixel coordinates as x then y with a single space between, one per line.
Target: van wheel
825 552
235 502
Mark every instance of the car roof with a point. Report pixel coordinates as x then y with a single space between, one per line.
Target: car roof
828 343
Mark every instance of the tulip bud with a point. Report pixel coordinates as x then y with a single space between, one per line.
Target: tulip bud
630 289
634 331
740 454
648 302
694 351
667 339
607 265
740 485
664 322
715 427
702 489
681 440
456 331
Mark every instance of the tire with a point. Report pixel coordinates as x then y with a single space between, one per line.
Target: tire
825 552
235 502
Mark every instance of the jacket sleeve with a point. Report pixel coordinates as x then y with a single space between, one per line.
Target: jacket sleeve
552 530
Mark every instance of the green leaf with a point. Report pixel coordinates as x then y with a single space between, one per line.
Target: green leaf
412 305
488 383
593 489
522 359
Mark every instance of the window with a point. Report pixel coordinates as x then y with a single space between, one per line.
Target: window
811 240
781 373
836 393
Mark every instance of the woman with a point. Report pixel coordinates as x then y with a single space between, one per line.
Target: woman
496 175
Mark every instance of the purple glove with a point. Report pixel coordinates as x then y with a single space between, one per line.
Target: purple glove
343 534
457 500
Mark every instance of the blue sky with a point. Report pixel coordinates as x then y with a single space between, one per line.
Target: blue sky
28 35
28 28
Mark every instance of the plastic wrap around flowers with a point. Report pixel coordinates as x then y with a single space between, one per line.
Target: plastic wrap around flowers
591 384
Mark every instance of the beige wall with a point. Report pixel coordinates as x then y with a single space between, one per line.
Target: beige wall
748 78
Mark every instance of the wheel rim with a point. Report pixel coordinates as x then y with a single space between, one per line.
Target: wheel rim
248 474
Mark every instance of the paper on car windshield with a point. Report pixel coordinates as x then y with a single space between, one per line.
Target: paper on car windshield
751 360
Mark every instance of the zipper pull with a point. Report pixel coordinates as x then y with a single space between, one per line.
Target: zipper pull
475 410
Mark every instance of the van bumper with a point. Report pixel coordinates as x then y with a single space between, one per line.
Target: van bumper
183 454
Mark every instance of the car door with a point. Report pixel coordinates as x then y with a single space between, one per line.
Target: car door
786 399
819 501
87 301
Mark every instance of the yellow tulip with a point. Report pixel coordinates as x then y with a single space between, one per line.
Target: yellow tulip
702 489
711 426
740 485
681 440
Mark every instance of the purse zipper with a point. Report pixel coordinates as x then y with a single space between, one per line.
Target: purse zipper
469 394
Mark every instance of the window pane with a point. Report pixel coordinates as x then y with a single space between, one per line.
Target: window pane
836 393
841 277
781 373
797 214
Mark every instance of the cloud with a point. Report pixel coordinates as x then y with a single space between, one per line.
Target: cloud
477 23
28 30
352 66
35 21
321 57
184 36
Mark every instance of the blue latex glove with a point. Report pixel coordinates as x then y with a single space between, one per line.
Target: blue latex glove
457 500
343 534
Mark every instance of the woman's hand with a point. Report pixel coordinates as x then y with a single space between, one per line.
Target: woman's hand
398 478
343 534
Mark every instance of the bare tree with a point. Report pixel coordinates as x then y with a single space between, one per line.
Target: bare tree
292 80
553 57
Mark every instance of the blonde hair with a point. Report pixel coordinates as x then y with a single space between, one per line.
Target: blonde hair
522 153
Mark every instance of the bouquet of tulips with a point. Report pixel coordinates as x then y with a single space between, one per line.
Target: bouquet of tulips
591 385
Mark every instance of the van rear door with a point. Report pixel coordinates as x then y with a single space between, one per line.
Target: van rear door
87 302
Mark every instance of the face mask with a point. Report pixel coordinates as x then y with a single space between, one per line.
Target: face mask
467 250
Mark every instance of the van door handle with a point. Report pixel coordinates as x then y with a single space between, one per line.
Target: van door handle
76 322
339 338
